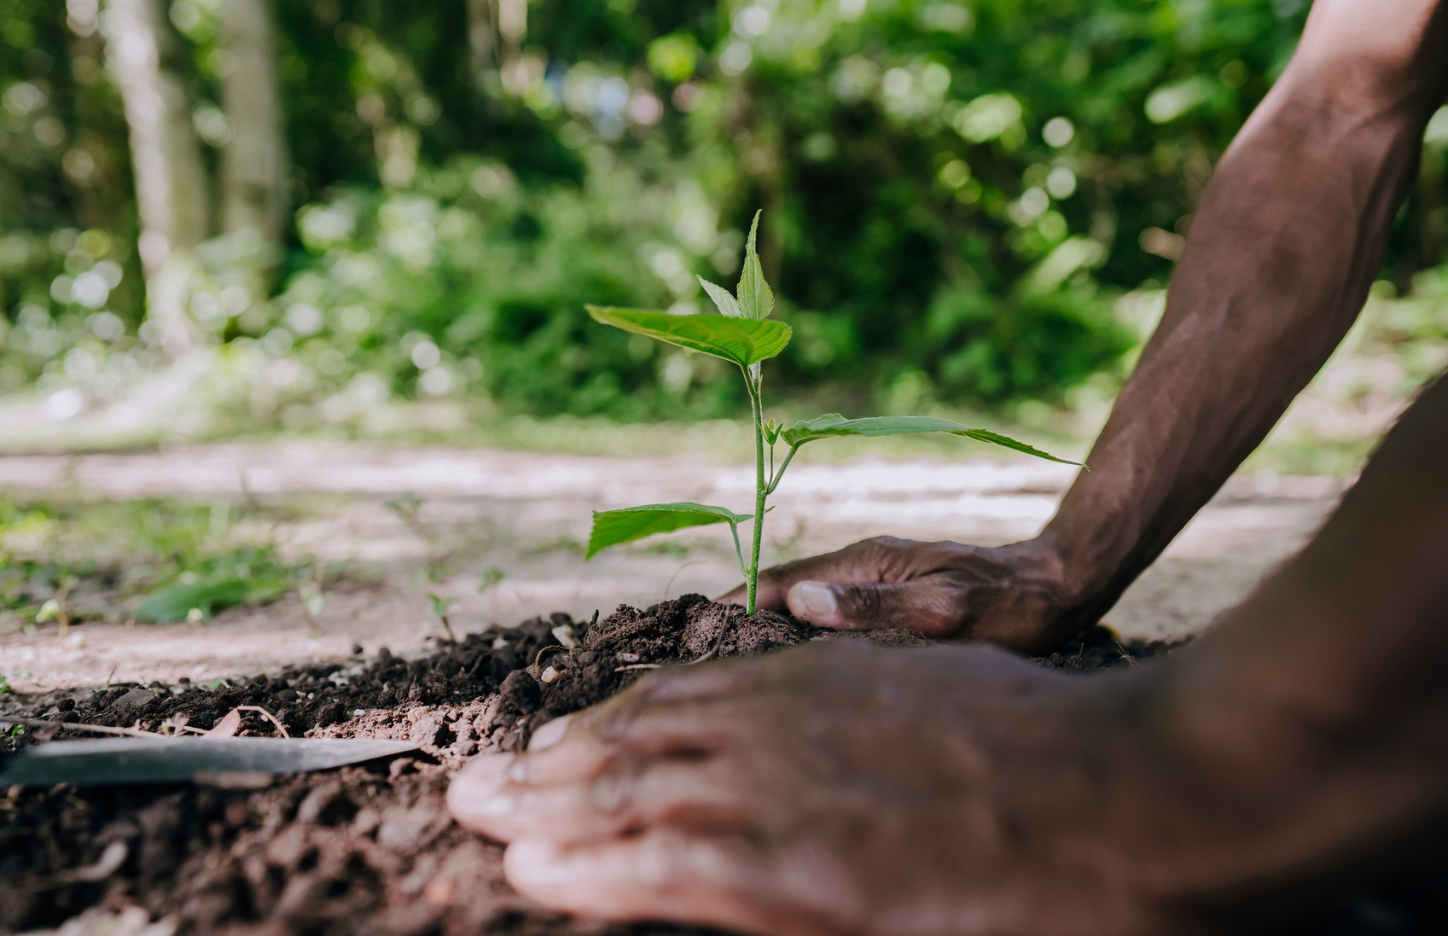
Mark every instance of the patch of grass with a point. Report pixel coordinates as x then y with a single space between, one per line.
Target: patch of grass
78 560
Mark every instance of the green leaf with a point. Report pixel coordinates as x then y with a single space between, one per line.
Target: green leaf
833 424
742 341
995 438
756 299
727 304
174 602
611 527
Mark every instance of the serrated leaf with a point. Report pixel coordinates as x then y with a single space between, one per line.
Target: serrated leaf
727 304
611 527
832 425
756 299
740 340
173 602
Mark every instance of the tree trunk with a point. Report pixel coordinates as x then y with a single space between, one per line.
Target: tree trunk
254 163
172 196
482 41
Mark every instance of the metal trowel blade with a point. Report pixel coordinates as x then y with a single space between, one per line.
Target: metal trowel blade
114 761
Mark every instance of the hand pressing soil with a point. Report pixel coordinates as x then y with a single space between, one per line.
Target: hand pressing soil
371 849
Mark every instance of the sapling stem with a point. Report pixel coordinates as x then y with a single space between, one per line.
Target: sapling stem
779 476
753 380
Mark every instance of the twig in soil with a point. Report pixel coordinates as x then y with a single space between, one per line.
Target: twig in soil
77 726
265 714
634 666
539 657
1124 655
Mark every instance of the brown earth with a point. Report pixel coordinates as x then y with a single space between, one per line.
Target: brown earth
368 849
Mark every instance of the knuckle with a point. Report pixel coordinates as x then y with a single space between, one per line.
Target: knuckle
863 600
612 791
884 543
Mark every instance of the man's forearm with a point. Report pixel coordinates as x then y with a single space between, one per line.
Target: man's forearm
1287 240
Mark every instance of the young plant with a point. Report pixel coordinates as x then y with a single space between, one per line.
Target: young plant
744 335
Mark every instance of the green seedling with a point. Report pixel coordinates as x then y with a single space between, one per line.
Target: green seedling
490 576
439 607
4 685
176 602
744 335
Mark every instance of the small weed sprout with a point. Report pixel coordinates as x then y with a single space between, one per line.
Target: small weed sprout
440 608
745 335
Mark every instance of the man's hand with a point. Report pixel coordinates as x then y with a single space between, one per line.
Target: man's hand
1282 249
1015 596
835 788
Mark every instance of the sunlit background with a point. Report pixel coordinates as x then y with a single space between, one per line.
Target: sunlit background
293 294
233 214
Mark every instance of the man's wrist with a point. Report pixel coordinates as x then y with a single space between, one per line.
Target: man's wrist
1074 578
1066 579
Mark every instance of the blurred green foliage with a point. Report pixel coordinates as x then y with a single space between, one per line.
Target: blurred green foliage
955 193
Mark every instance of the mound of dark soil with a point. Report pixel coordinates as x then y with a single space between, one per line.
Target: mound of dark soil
364 850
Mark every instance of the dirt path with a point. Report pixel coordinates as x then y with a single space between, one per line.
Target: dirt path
419 520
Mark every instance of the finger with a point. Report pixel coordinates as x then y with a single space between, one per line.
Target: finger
664 874
928 606
589 741
684 728
629 797
724 679
879 559
474 789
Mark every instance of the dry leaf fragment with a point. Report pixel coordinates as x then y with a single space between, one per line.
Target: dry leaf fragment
229 725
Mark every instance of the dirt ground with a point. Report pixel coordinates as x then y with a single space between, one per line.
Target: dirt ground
406 522
370 849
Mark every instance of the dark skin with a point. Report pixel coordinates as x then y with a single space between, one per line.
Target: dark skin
1282 250
1300 746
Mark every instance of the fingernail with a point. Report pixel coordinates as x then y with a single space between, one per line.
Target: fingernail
815 599
497 806
550 734
473 793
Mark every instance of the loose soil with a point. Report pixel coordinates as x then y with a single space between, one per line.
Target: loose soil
371 849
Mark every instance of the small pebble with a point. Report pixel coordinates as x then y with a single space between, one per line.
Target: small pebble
550 674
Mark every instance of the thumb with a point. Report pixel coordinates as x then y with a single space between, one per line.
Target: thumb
926 605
